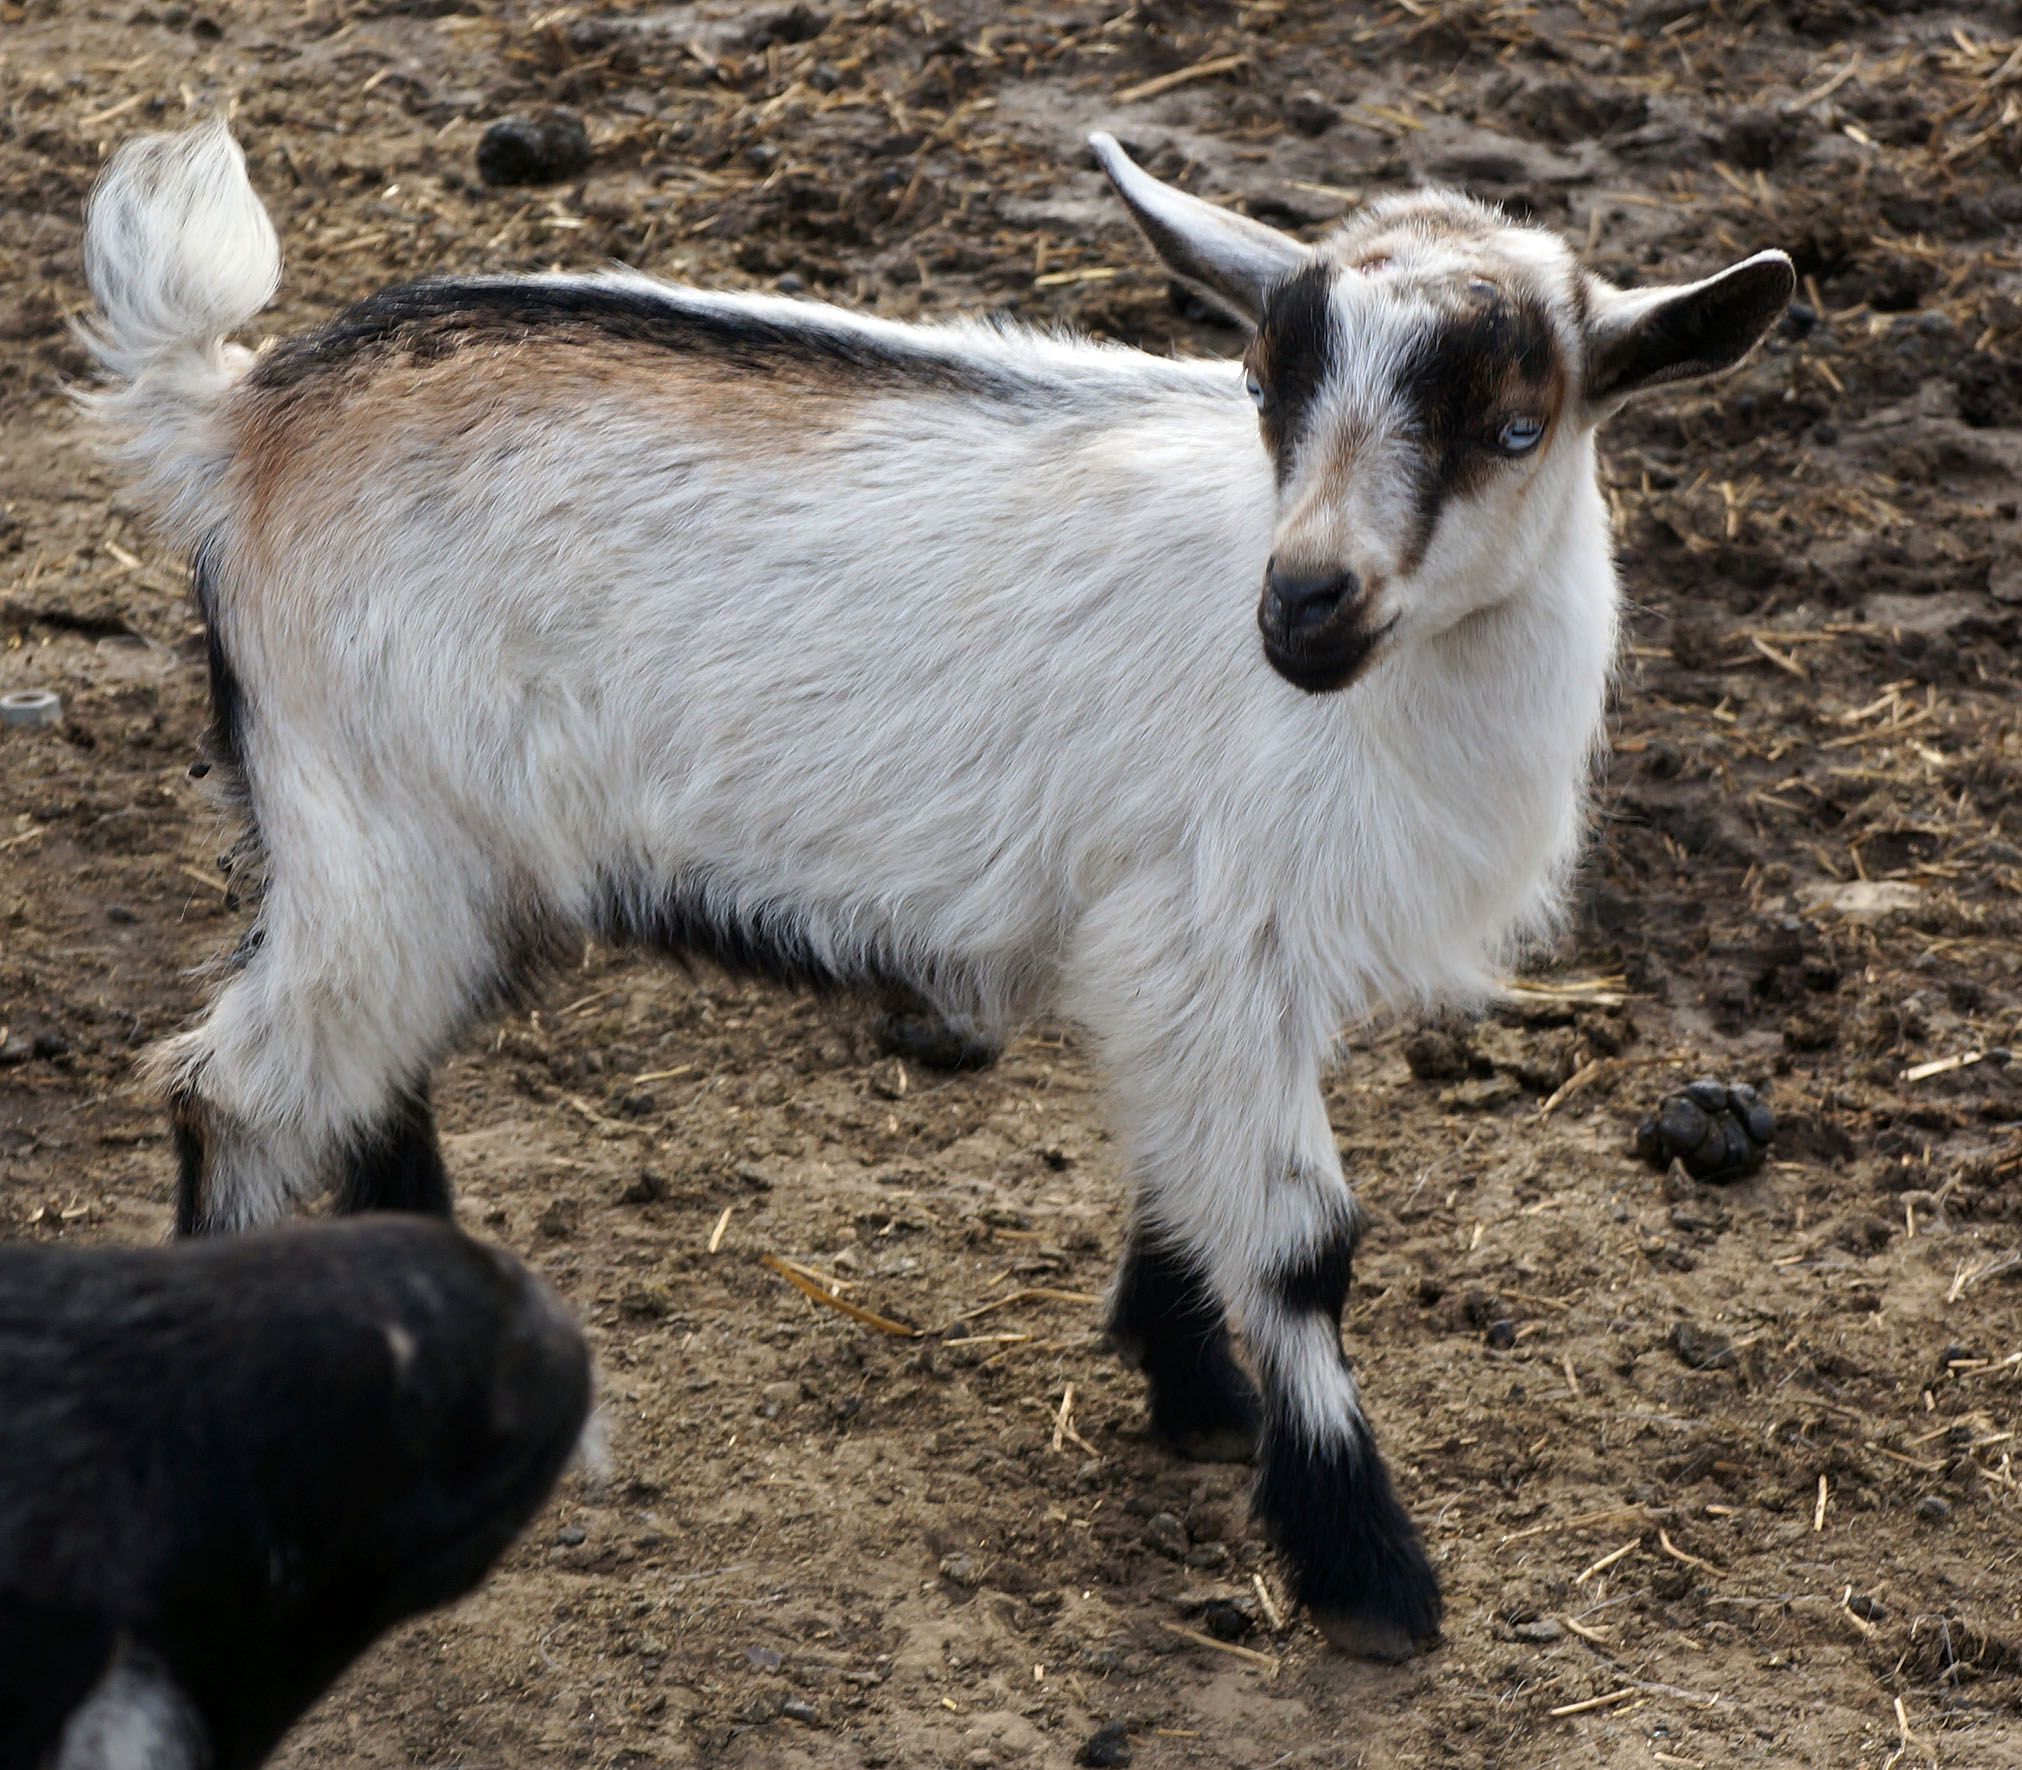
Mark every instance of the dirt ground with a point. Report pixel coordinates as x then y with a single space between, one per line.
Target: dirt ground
1714 1476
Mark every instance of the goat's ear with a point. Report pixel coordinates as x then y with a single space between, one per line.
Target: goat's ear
1645 337
1235 259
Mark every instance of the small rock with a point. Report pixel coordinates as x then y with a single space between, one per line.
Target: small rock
796 1709
762 1706
1108 1744
1933 1509
1702 1349
571 1536
1501 1334
1868 1609
1226 1621
533 150
1311 114
888 1079
764 1659
798 23
791 283
1166 1534
646 1189
1540 1631
646 1302
960 1569
1205 1557
1483 1095
561 1219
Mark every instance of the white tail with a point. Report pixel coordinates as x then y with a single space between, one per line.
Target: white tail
179 252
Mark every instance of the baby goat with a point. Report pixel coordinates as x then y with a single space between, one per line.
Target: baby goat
226 1467
848 652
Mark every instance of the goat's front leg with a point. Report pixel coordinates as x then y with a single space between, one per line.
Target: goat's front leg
1248 1194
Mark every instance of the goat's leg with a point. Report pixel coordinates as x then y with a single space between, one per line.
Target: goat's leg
1323 1490
311 1066
1166 1317
1242 1184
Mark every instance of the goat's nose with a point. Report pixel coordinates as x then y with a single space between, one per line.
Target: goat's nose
1306 599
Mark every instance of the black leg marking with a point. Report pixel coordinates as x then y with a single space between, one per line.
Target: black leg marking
1317 1284
191 1217
1355 1558
912 1028
398 1165
1166 1319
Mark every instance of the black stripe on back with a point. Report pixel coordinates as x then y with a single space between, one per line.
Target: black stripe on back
429 320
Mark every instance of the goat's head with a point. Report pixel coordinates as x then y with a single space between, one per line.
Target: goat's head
1427 378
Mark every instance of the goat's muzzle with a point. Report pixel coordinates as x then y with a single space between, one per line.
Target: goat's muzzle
1319 628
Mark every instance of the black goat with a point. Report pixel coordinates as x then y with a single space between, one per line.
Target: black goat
226 1467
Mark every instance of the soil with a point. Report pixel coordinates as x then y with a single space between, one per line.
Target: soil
1733 1467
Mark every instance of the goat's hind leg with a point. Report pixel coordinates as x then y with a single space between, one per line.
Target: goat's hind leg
311 1067
1167 1319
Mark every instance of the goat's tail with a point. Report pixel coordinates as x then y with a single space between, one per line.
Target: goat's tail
179 251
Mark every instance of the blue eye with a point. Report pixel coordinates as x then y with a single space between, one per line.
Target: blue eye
1520 435
1255 389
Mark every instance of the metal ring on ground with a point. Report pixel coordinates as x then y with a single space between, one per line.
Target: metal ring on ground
29 707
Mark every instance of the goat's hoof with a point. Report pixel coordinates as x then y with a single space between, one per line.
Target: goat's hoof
1209 1412
1233 1443
932 1043
1369 1636
1718 1132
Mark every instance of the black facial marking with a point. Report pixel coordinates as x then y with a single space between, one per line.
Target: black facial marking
397 1166
430 320
1480 366
1171 1324
1291 357
1355 1559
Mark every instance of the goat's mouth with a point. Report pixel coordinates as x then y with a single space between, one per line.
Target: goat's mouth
1326 660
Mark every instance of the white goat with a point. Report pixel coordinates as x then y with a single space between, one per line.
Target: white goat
847 651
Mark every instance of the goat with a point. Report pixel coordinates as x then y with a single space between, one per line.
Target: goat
1211 707
226 1467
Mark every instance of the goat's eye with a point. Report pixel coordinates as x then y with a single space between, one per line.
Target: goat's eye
1520 435
1255 389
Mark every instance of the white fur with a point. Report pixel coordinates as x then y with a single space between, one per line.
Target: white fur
179 252
973 687
134 1719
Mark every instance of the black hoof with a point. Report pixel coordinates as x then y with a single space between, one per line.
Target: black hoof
1209 1412
1353 1556
932 1043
